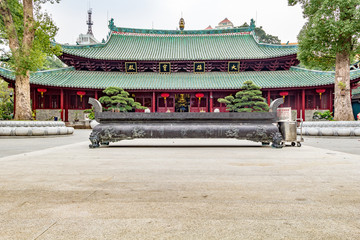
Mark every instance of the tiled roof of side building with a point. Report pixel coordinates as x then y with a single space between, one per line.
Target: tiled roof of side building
356 91
69 77
224 21
162 45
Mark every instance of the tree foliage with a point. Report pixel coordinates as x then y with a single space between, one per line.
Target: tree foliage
119 100
248 100
263 36
28 32
6 101
333 26
52 62
329 38
44 29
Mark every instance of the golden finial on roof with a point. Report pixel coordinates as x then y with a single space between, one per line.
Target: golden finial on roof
181 23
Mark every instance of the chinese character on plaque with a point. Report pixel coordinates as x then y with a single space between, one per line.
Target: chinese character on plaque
233 67
130 67
164 67
199 67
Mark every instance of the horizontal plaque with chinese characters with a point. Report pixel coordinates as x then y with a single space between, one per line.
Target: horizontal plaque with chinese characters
233 67
130 67
199 67
164 67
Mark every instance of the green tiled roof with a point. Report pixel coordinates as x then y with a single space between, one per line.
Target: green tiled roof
69 77
165 47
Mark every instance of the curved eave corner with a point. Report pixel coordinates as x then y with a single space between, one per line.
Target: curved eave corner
7 73
354 74
10 75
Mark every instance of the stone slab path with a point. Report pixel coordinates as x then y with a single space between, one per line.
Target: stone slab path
177 189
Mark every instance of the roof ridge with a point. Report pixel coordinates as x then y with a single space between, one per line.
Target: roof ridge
301 69
320 72
114 28
181 32
63 69
9 73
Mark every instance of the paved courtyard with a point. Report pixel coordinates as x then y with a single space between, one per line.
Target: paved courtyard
58 188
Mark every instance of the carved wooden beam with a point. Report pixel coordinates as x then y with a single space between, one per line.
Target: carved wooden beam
273 65
243 66
258 66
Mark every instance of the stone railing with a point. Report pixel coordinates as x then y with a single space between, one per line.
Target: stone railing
331 128
33 128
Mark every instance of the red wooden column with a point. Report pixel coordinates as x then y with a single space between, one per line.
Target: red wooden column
298 109
269 98
153 102
96 95
66 103
62 104
331 98
211 102
34 100
303 104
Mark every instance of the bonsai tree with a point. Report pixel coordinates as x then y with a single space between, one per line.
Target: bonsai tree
248 100
118 100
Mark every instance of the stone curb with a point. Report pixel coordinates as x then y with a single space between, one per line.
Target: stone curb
331 128
34 128
32 124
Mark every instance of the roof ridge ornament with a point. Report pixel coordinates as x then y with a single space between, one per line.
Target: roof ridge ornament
182 24
111 25
252 24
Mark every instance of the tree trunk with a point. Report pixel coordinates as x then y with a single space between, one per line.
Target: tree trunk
9 27
342 101
22 83
29 26
22 93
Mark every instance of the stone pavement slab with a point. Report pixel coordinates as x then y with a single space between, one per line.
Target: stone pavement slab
179 189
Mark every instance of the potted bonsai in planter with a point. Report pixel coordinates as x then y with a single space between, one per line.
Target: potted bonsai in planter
119 100
248 100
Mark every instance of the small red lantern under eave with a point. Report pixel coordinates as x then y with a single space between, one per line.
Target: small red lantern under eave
81 94
199 96
320 91
165 95
284 94
42 91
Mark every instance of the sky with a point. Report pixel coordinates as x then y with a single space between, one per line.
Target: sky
275 16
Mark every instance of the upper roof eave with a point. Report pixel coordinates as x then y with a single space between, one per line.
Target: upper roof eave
71 78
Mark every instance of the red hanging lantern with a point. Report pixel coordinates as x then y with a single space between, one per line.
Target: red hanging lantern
165 95
81 94
284 94
199 96
320 91
42 91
